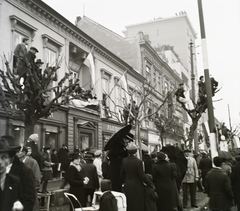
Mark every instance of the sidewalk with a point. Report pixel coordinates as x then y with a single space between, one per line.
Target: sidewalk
202 202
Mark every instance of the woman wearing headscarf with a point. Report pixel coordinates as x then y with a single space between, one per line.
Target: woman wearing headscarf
163 179
76 180
134 177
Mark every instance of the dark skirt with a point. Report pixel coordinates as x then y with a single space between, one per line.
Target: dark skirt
47 175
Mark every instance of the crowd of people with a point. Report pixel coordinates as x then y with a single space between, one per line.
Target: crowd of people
151 184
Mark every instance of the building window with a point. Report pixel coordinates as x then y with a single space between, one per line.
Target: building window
148 74
166 88
105 91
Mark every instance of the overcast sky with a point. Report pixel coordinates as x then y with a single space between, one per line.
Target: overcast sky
222 25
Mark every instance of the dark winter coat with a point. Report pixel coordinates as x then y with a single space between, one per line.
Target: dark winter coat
89 170
219 190
108 202
150 199
235 177
116 155
11 193
27 180
134 177
35 152
148 162
63 158
75 179
205 165
164 181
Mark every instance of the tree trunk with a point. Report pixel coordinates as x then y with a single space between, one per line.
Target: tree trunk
29 129
192 130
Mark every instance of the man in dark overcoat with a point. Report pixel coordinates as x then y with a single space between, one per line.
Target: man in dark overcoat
164 174
218 187
205 165
116 155
235 177
19 60
133 176
25 174
89 170
11 190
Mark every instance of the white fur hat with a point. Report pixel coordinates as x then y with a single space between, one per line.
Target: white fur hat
34 137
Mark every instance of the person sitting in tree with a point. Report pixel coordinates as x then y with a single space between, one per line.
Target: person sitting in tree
180 96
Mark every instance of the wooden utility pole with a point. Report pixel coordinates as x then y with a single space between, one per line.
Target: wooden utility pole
193 94
213 145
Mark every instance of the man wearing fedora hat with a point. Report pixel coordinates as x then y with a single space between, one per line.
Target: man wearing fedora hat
11 191
25 174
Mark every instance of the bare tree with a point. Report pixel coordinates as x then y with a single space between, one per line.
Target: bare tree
36 93
136 113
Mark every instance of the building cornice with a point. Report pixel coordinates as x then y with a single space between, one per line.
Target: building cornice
43 13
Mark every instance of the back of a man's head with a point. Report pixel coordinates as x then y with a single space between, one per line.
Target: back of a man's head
217 161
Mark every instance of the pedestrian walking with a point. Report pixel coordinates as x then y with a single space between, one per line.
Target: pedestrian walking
133 176
150 196
189 180
76 180
163 179
11 190
235 178
218 188
46 169
25 174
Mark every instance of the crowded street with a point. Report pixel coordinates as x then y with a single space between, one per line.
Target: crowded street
119 105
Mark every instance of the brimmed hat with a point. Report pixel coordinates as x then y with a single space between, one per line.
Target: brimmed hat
25 39
75 155
34 137
97 153
46 148
33 48
187 150
129 136
161 156
24 149
39 61
4 147
14 146
88 157
132 148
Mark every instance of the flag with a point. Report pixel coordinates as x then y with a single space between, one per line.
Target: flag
123 83
89 62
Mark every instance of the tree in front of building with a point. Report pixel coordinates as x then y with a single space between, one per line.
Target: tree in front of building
28 92
169 128
195 111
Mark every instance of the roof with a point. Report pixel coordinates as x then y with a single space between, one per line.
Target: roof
126 49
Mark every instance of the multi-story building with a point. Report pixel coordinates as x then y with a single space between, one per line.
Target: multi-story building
176 32
138 53
55 37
